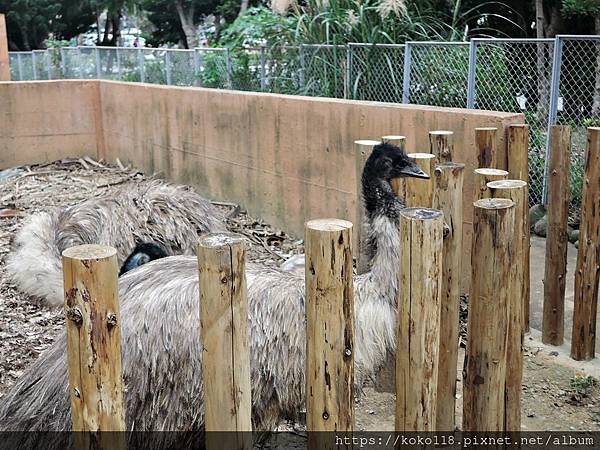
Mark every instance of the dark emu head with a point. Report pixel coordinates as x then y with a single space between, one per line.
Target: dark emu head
142 253
385 163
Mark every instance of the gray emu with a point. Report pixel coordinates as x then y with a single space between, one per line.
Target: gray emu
161 348
172 216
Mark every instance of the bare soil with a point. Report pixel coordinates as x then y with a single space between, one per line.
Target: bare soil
550 401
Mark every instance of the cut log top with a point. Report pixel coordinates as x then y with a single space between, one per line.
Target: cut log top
215 240
494 203
420 155
392 138
441 133
367 142
421 213
328 225
507 184
486 129
490 171
89 251
449 166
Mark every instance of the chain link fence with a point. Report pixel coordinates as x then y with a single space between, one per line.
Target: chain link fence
549 80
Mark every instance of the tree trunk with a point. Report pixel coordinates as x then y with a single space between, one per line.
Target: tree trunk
107 25
116 28
186 17
243 7
596 102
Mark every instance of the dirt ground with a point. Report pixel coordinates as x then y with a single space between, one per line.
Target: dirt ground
550 399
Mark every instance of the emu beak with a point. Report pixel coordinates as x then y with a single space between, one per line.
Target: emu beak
414 171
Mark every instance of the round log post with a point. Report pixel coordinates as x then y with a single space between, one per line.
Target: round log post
418 193
557 239
419 294
448 198
487 152
441 144
485 364
94 344
329 329
398 141
518 169
363 149
515 190
583 341
224 333
482 177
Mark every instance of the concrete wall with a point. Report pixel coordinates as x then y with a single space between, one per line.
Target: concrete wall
44 121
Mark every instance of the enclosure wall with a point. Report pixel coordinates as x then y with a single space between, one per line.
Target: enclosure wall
49 120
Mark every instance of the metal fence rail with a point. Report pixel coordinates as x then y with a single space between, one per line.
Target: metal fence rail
549 80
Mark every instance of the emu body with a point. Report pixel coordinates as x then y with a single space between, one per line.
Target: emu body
162 352
156 211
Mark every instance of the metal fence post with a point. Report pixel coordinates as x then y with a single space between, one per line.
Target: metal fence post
20 66
168 66
63 63
406 74
118 55
79 62
34 65
471 78
98 64
263 69
141 64
48 58
229 66
302 79
554 93
348 83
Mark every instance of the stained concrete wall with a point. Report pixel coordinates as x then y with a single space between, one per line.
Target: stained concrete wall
284 158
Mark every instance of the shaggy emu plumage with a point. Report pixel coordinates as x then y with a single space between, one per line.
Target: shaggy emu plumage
162 352
169 215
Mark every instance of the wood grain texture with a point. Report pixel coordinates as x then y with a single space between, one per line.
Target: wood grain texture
363 149
441 144
94 343
418 193
557 238
517 153
485 364
419 297
487 150
224 332
515 190
448 196
4 60
583 340
329 328
482 177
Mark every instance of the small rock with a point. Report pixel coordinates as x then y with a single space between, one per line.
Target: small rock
370 411
577 244
573 236
536 212
530 414
541 226
554 353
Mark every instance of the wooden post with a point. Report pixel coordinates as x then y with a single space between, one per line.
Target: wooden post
363 149
518 169
441 144
224 333
448 198
329 329
94 344
418 193
557 239
515 190
485 140
419 295
4 60
483 177
398 141
583 341
485 364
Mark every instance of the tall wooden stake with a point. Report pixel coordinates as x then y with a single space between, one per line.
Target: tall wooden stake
583 342
398 141
4 60
515 190
94 344
557 239
418 193
329 329
518 169
224 333
363 149
441 144
419 296
485 365
483 177
485 140
448 198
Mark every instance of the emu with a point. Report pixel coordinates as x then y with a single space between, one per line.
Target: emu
172 216
161 348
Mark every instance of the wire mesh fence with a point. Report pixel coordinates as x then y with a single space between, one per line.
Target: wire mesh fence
549 80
